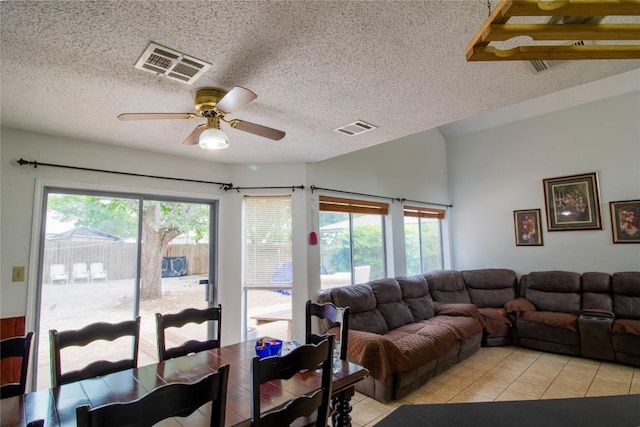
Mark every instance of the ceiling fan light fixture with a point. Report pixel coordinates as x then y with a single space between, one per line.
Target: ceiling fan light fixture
213 139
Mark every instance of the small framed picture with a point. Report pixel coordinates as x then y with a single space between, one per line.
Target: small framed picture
572 202
527 227
625 221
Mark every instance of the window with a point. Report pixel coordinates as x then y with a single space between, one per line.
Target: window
423 239
267 233
352 245
267 266
109 257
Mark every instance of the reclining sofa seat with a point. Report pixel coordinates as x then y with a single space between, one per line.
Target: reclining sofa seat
626 326
396 332
488 289
551 323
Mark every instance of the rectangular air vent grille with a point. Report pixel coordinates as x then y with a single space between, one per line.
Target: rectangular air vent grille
171 64
540 65
356 128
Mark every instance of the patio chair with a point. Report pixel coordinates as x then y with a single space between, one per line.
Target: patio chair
79 271
58 272
97 271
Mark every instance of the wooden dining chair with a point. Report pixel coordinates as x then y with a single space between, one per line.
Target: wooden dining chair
178 320
19 348
166 401
311 408
334 316
86 335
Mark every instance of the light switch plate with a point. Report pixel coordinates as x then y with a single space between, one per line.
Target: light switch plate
18 274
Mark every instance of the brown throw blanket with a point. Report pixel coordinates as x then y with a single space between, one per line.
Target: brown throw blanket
494 319
415 344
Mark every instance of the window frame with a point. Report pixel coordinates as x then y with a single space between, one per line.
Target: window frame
353 207
423 213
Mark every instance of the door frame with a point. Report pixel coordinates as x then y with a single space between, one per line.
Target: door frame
36 252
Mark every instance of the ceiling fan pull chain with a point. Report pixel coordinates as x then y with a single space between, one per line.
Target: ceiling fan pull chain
489 7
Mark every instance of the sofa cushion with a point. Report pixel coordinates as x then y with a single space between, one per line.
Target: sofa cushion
415 293
390 303
596 291
626 326
447 286
463 327
490 287
554 291
421 342
494 319
626 294
552 318
519 306
363 312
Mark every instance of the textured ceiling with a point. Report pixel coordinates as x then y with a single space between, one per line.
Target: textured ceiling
67 68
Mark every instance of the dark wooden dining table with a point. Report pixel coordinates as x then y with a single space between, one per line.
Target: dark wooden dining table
57 406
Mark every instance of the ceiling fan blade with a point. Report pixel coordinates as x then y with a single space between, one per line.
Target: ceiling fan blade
194 137
235 99
257 129
156 116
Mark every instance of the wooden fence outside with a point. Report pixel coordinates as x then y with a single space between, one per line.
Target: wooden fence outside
118 258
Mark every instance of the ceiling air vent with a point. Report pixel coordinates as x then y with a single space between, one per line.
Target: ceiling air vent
540 65
171 64
355 128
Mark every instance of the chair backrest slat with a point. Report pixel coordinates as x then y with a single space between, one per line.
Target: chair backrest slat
303 358
178 320
333 315
18 347
169 400
81 337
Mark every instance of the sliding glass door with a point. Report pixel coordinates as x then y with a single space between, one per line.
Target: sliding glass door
111 257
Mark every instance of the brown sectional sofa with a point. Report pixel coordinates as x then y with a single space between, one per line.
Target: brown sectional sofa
595 315
405 330
403 337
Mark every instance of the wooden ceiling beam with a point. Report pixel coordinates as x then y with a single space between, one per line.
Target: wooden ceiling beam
547 53
571 8
498 28
504 32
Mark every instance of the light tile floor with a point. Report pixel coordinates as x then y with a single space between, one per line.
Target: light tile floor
510 373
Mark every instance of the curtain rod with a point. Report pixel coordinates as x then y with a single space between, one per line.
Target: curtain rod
393 199
223 185
292 188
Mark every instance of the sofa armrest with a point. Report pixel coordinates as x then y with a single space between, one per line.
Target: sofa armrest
519 306
374 352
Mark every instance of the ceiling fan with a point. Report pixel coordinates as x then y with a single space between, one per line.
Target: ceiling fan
214 105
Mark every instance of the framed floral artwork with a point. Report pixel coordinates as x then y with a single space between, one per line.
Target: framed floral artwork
572 202
625 221
527 226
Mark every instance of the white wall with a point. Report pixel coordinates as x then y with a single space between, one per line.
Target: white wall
496 171
414 167
489 174
20 201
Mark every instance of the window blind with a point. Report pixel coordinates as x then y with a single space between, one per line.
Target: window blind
422 212
267 243
337 204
